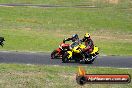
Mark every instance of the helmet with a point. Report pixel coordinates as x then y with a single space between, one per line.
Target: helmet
87 35
75 36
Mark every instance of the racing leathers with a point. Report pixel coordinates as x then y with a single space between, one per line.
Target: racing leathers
89 44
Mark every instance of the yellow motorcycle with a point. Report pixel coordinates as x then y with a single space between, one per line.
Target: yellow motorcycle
75 53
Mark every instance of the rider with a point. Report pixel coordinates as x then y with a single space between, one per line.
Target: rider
88 42
74 38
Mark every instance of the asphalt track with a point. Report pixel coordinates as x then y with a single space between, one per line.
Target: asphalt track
44 59
49 6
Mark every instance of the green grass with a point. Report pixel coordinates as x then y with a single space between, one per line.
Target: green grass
66 18
32 40
43 76
42 29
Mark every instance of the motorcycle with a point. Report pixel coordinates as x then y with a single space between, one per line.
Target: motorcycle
1 41
58 53
76 53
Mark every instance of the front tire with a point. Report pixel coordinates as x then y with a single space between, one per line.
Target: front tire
54 54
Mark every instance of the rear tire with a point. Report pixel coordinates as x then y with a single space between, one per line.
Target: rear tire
65 58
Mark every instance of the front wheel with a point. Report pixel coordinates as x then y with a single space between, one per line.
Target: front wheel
54 54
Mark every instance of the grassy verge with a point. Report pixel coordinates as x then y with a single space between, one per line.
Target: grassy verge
23 40
79 19
34 76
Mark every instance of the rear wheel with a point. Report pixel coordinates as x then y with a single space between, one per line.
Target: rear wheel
65 58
